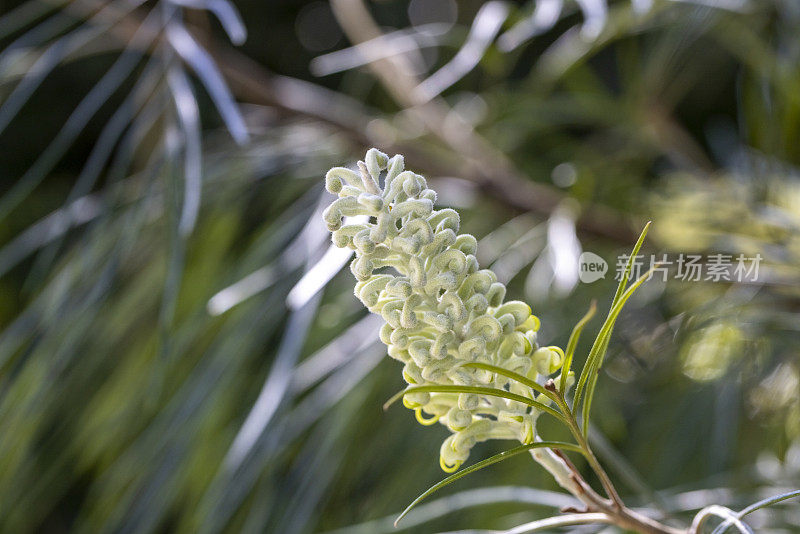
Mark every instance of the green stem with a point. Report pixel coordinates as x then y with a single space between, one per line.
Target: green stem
616 509
583 442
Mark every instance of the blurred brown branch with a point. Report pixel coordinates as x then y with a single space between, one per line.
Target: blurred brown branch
472 158
482 163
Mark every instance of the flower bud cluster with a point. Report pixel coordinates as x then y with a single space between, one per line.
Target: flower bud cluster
441 310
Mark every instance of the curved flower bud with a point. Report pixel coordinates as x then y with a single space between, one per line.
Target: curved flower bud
374 162
472 348
452 260
412 208
380 230
496 294
412 374
363 243
477 304
416 272
486 327
395 166
450 458
408 318
369 291
414 235
343 237
468 401
392 312
519 364
434 371
548 360
439 321
398 353
452 305
441 240
416 400
385 335
442 344
400 337
362 267
531 323
400 286
458 419
478 282
420 351
373 203
507 323
514 344
413 185
445 218
338 177
467 244
518 309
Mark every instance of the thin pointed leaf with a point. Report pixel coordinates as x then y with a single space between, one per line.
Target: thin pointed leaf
601 344
560 521
544 16
205 68
55 53
629 264
511 374
461 500
140 129
36 36
573 343
721 529
485 463
595 13
115 128
25 14
101 153
617 294
494 392
487 23
226 13
386 45
189 119
77 121
591 387
723 512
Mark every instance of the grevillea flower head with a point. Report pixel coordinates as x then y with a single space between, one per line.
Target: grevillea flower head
441 310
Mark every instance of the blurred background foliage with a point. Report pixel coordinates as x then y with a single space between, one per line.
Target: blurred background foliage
180 351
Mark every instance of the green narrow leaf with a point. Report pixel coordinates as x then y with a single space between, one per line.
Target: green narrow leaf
721 529
592 383
593 355
629 264
600 346
573 343
485 463
494 392
514 376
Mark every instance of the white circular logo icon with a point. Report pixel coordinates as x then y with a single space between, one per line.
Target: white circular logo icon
591 267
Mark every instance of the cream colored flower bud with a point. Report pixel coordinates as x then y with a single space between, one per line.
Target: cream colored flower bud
337 177
458 419
547 360
468 401
466 244
369 291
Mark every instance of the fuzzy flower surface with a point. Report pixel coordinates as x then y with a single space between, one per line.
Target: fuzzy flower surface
441 310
